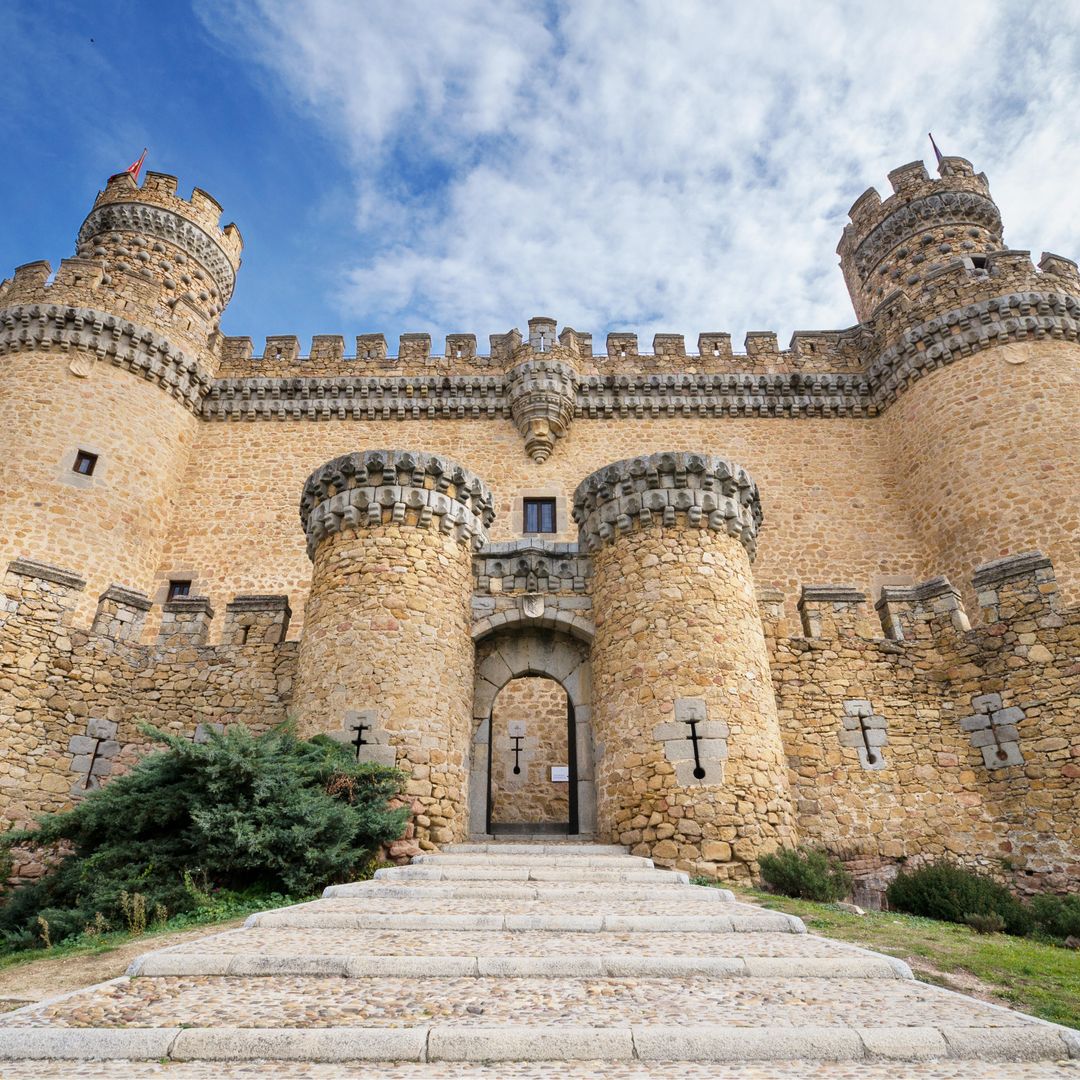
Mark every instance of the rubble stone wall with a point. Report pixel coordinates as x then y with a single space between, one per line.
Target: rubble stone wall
531 795
72 700
978 744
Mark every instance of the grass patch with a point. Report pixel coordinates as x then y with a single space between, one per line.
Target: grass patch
89 944
1031 975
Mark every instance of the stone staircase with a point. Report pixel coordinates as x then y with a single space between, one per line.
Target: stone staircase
525 960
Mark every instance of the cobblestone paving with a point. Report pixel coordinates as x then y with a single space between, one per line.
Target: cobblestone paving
276 1001
281 941
513 1070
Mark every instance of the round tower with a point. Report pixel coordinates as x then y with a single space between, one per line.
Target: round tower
925 224
103 370
386 659
976 367
692 770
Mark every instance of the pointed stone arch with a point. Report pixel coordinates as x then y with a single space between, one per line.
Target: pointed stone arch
539 651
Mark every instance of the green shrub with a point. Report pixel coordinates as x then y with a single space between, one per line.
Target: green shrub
239 814
985 924
944 890
805 874
1057 916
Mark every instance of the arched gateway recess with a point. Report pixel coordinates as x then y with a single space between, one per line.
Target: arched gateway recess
508 654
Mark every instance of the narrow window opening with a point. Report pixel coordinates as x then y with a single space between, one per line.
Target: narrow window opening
178 589
84 463
978 261
244 631
540 515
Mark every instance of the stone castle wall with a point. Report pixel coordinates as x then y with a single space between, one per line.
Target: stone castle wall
72 698
530 796
938 740
940 434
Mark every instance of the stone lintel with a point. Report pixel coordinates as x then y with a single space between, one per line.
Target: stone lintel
188 605
30 568
1026 564
118 594
258 602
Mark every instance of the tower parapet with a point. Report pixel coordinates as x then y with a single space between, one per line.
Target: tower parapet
893 244
176 244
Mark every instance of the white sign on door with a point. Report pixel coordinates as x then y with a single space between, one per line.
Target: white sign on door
560 774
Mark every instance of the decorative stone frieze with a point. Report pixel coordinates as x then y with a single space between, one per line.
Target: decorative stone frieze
400 487
937 209
162 224
418 397
699 490
531 566
541 395
108 339
1020 316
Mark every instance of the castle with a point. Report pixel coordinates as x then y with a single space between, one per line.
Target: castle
702 604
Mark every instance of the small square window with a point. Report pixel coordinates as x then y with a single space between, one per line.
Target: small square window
84 463
178 589
540 516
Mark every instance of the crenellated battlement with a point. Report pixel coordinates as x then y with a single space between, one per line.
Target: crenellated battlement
891 244
159 190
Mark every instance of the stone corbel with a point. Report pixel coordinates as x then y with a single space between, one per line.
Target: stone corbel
541 395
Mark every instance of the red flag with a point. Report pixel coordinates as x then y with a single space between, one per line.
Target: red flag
133 169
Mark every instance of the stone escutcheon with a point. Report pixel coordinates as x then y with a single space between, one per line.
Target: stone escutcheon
401 487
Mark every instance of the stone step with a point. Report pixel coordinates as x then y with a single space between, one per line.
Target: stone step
766 922
301 941
592 874
543 847
668 1043
564 965
600 862
692 1018
590 1069
550 892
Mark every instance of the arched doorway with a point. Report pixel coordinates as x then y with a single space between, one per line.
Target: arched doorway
547 655
532 771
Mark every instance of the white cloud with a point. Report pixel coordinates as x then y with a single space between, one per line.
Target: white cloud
658 166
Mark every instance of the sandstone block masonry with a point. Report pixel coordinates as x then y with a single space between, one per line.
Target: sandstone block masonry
924 462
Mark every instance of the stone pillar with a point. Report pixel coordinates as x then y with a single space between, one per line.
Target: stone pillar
386 654
679 659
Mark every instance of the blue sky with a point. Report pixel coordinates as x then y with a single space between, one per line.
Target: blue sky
460 166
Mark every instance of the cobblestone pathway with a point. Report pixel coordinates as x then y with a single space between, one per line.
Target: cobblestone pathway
525 960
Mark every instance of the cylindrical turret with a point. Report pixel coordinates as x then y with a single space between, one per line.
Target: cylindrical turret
102 375
924 224
175 245
386 659
692 769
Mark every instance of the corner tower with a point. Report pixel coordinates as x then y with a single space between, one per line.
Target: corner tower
103 368
976 364
893 245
